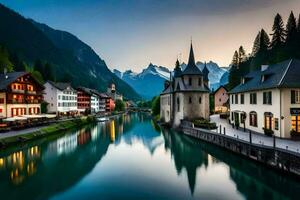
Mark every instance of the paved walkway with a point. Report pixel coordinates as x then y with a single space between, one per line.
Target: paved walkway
259 139
20 132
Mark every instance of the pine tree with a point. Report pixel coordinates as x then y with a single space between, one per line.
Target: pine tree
278 32
4 60
298 25
48 70
291 28
235 59
261 43
241 55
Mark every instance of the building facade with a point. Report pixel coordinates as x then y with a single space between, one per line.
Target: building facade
83 99
61 98
20 94
112 92
221 98
186 96
267 101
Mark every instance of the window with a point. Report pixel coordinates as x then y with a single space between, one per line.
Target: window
1 100
232 99
242 98
190 100
1 110
200 100
268 120
267 98
236 99
296 123
190 81
200 82
220 99
295 96
253 98
276 124
178 104
253 119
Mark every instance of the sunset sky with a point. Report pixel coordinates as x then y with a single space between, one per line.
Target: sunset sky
129 34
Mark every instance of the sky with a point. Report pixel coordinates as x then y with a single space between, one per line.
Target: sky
129 34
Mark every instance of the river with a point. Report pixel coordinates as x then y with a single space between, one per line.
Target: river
130 157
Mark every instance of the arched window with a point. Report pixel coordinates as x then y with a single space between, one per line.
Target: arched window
200 100
190 100
200 81
268 120
190 81
178 104
253 118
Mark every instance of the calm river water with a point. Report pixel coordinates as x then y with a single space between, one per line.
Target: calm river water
131 158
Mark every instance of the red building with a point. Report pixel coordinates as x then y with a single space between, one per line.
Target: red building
110 104
20 94
83 99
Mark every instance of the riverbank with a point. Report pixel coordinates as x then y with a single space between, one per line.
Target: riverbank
279 159
40 132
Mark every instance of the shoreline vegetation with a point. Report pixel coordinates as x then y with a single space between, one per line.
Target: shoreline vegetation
52 129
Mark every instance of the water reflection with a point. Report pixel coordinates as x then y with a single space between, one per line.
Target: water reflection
52 166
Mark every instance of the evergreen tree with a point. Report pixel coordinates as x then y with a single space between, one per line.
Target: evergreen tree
38 66
48 70
291 28
235 59
261 43
241 55
4 60
298 25
278 32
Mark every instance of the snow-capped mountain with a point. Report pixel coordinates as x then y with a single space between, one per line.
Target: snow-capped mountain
150 81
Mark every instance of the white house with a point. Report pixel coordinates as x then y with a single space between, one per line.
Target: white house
61 98
187 95
268 100
95 101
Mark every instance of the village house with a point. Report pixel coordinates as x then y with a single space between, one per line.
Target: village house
61 98
95 101
268 100
221 99
20 94
83 99
186 96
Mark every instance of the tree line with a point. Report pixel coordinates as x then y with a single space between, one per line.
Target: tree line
282 44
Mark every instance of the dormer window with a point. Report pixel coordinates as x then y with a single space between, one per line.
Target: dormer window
243 80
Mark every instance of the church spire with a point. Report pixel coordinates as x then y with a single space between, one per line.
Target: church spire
191 57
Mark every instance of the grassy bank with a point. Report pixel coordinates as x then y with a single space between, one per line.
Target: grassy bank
54 128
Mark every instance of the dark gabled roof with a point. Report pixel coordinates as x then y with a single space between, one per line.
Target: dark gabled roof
84 89
281 75
8 78
61 85
205 72
191 68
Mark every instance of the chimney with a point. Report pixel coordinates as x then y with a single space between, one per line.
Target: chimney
264 67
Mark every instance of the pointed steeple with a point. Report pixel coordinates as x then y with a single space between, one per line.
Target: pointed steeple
191 68
191 57
205 72
177 70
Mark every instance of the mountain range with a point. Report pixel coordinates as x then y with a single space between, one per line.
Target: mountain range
71 59
150 81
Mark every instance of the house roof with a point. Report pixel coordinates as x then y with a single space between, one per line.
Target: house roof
191 68
221 86
281 75
86 90
8 78
61 85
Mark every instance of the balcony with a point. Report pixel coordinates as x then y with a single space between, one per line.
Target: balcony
18 91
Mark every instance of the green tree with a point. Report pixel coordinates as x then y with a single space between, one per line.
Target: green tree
156 106
235 59
291 28
241 55
48 70
119 105
261 43
4 60
278 35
